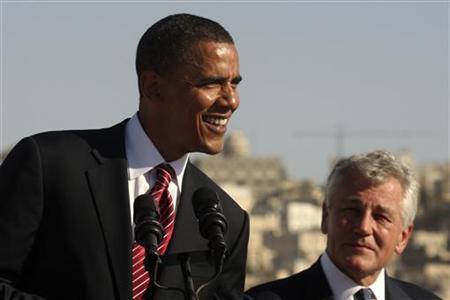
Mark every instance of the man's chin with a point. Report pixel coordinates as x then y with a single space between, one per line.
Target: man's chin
212 148
358 263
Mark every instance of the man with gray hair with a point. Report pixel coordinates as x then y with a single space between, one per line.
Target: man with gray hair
368 214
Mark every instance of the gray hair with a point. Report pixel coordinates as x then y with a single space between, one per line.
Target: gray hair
377 166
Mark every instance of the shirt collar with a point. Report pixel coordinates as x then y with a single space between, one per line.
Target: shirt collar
142 154
344 287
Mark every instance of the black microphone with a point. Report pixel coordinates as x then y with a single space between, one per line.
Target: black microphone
148 231
212 222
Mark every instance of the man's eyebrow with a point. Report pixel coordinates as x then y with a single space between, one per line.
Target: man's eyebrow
218 80
236 79
353 199
379 207
385 209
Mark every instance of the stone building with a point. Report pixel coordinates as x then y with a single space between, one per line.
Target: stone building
235 166
435 183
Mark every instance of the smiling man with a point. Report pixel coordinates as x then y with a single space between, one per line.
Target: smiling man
368 214
66 217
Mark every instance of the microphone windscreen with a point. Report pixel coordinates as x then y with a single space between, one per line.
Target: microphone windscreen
144 207
203 198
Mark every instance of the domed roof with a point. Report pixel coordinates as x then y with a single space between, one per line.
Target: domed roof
236 144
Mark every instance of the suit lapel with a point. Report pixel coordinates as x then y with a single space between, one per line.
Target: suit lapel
393 291
109 187
187 236
318 283
109 192
320 288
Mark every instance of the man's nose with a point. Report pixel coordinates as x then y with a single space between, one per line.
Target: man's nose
363 224
230 96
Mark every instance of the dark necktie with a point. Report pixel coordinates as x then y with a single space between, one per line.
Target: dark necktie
364 294
163 200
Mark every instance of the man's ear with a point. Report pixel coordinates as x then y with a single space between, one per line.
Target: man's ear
323 225
149 83
403 239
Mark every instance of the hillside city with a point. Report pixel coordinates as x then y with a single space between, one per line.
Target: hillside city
285 215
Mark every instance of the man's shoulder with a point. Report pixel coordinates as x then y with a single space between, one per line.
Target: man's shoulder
281 286
56 136
237 218
204 180
412 290
109 142
311 283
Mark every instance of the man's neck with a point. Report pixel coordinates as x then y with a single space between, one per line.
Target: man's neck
359 277
343 285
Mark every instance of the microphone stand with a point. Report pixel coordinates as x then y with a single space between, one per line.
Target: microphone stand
187 275
216 257
151 263
218 248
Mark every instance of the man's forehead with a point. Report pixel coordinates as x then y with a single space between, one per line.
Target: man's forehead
210 50
207 44
210 64
353 180
361 190
359 200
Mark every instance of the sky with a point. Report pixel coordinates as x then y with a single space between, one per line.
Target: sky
373 73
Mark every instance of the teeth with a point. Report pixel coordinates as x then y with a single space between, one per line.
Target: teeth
216 121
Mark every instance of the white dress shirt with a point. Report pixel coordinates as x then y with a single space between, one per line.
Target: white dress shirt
343 287
143 157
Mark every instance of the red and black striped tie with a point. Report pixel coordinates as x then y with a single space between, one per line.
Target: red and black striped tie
163 200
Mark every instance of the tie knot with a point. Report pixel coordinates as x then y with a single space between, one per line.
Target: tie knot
164 174
365 294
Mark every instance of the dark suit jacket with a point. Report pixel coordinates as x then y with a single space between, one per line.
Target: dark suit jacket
65 228
311 284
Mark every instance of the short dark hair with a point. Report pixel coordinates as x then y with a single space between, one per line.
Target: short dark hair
167 43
